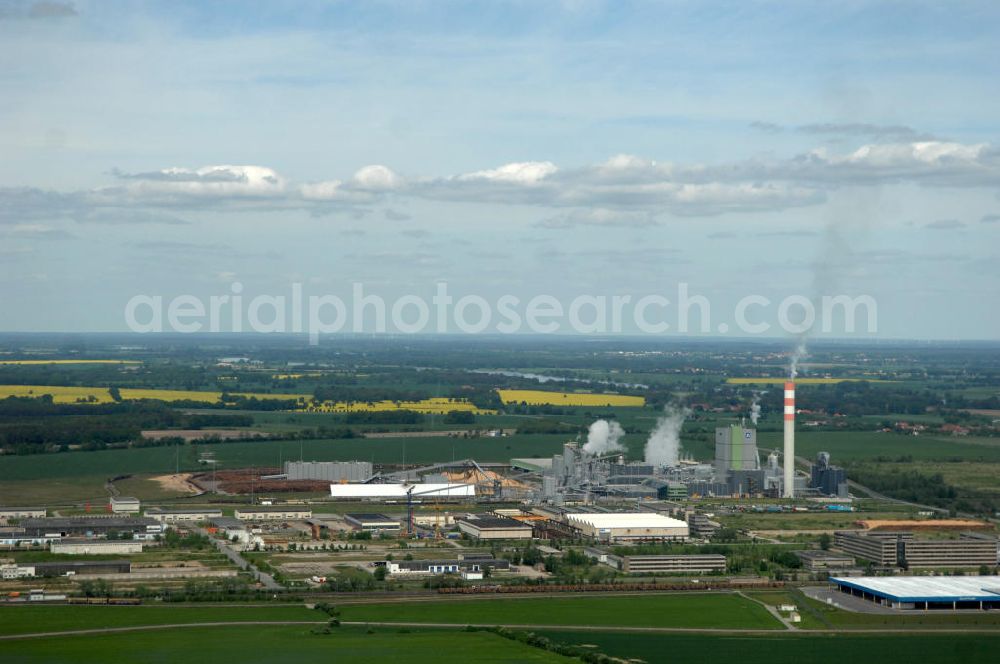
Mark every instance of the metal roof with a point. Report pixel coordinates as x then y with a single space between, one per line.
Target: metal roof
927 588
627 520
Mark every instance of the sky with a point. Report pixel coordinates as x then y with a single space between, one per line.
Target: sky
573 148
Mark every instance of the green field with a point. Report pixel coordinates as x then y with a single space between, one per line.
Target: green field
270 644
269 453
862 445
30 619
683 611
792 648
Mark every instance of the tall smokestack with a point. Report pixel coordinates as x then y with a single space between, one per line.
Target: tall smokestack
789 468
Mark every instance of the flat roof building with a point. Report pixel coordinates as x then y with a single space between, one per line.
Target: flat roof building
289 513
494 527
83 567
890 549
924 592
415 567
91 546
22 512
674 564
373 523
628 526
818 560
124 505
89 526
189 515
400 491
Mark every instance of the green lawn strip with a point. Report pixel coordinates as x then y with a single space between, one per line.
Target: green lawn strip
269 644
683 611
793 647
30 619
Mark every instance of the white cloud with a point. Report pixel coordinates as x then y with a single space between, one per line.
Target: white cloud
625 190
523 173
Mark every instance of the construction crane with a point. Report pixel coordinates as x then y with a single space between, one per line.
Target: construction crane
409 503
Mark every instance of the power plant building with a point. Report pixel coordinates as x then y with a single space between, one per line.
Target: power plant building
829 480
735 449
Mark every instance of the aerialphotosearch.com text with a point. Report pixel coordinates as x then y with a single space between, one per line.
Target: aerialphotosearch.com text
368 312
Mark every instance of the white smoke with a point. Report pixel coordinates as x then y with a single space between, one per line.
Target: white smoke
755 407
797 355
603 437
664 444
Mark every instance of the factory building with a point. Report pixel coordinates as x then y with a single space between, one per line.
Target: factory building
484 527
924 592
827 479
22 513
627 526
11 572
373 523
289 513
425 567
193 515
679 564
124 505
91 526
92 547
329 471
83 567
437 491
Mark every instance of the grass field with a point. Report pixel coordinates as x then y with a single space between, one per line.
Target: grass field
270 644
545 398
689 610
29 619
792 648
801 381
77 476
861 445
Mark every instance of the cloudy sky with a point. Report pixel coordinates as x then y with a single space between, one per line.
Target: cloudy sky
505 148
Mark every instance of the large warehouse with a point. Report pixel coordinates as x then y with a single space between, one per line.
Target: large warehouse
628 526
924 592
399 491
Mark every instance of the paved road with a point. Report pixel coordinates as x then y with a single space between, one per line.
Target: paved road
223 546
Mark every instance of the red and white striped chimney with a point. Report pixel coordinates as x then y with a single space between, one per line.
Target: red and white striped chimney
789 460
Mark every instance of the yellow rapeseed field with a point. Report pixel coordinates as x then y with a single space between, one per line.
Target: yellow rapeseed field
543 398
435 405
59 394
36 362
193 395
799 381
101 395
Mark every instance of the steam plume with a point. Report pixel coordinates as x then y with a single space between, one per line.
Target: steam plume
664 443
797 355
602 438
755 407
